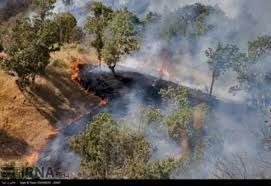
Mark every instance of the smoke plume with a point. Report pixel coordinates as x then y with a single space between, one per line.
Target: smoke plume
238 127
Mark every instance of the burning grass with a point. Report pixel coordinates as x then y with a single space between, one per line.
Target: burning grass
104 101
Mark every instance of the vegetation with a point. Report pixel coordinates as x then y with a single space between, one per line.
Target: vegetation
67 25
28 47
120 39
182 22
43 7
113 33
110 148
110 151
220 59
96 24
260 47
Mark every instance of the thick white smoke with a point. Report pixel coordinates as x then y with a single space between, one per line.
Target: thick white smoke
243 20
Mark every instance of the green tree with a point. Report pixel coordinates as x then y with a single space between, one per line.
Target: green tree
28 44
67 25
252 72
112 151
96 24
220 59
120 38
176 96
260 47
188 21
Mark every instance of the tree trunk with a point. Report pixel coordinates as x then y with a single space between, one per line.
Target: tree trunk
112 68
212 84
100 63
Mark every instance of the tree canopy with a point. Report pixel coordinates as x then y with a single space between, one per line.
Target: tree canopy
111 151
120 38
67 26
220 59
96 24
28 44
43 7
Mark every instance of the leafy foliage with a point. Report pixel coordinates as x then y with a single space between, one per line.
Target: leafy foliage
28 45
151 115
113 33
177 95
188 21
96 24
120 38
259 47
252 72
67 25
179 123
110 151
221 59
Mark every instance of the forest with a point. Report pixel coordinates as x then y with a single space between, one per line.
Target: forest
136 89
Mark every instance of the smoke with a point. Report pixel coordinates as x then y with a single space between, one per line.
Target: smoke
237 127
3 4
237 23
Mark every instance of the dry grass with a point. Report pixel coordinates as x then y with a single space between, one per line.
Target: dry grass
28 119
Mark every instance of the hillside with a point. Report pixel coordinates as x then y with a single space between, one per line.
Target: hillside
29 118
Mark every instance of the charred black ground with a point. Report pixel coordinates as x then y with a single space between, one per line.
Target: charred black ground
105 85
57 154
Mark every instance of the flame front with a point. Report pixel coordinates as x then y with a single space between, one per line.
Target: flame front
32 157
104 101
163 70
75 71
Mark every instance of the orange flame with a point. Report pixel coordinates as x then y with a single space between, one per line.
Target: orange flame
33 156
75 71
104 101
163 70
3 55
52 133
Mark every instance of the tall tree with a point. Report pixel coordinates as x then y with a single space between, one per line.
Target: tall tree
120 38
253 72
219 60
67 25
96 24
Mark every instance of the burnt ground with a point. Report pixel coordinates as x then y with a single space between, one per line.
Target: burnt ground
105 85
115 89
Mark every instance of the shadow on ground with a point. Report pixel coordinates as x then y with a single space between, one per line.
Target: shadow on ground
58 98
11 147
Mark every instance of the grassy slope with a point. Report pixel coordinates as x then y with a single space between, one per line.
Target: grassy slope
28 119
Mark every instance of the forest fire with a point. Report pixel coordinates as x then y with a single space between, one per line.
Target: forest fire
163 71
103 101
33 157
75 70
3 55
76 78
